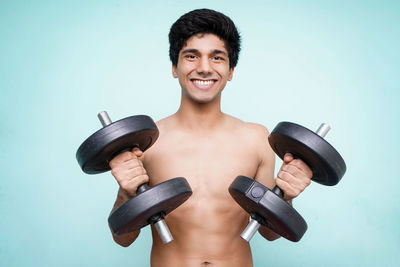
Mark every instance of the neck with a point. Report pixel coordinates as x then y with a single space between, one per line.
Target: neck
200 116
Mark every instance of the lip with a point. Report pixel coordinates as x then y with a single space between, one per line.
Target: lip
203 84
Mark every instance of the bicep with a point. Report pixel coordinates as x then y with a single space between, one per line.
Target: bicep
266 166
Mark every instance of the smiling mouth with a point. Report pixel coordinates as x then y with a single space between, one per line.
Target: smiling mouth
203 84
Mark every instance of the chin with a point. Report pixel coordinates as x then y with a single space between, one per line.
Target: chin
204 100
201 98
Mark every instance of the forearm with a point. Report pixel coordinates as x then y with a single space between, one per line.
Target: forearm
127 239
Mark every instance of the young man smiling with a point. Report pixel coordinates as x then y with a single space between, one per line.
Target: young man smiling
203 68
207 147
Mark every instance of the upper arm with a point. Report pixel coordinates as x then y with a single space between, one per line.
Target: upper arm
266 156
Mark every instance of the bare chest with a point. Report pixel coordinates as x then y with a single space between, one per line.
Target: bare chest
209 164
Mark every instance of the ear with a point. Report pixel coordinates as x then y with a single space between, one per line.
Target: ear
230 75
174 71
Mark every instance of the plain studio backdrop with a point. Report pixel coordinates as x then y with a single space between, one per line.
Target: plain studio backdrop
61 62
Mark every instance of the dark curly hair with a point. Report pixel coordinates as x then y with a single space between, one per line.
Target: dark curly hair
204 21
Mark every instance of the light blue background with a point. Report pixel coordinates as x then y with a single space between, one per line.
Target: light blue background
61 62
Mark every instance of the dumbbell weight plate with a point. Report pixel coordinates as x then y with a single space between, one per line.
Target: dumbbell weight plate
161 198
327 165
96 152
275 213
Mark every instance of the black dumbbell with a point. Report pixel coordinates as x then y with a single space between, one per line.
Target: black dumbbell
150 204
266 206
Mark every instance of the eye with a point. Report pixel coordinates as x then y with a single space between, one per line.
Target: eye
190 57
218 58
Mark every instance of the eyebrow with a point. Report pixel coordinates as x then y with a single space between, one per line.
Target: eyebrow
194 51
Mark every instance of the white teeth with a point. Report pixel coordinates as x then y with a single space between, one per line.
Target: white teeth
201 82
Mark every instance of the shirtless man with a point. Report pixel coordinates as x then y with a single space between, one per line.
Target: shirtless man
207 147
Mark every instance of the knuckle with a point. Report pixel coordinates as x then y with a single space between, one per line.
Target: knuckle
283 185
285 167
132 165
283 175
300 189
127 155
144 178
295 161
120 156
123 184
299 163
296 192
139 170
114 172
111 163
292 169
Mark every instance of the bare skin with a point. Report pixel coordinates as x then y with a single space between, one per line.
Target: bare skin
210 149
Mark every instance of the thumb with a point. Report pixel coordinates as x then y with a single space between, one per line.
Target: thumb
138 153
288 157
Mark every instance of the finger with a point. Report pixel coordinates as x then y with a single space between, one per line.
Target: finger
289 192
302 166
138 161
131 186
293 169
132 164
131 169
287 177
298 182
124 175
137 152
135 171
122 157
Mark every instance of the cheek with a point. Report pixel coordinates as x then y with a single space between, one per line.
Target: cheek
228 75
184 70
224 72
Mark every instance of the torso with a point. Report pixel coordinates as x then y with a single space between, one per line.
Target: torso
207 227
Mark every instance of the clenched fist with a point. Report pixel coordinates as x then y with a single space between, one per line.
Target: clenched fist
128 170
293 177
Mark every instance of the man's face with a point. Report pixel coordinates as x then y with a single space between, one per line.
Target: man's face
203 68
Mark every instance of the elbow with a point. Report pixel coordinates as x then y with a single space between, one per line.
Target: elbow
268 234
122 242
127 239
272 238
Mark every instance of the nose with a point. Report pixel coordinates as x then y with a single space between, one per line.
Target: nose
204 67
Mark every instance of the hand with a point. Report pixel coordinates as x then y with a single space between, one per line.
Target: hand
129 172
293 177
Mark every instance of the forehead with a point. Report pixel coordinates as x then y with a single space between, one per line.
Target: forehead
205 42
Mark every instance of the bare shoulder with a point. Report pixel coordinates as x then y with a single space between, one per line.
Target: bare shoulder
258 130
165 124
252 130
253 136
